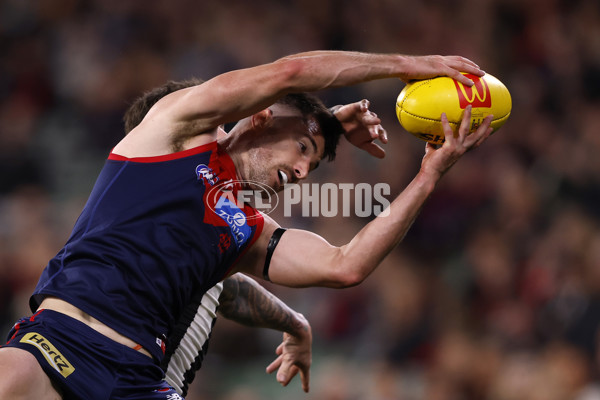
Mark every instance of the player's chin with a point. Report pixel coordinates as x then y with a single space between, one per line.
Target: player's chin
263 189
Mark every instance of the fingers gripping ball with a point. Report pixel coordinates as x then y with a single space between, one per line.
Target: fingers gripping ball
421 103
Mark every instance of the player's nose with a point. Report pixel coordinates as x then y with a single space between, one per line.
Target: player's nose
301 169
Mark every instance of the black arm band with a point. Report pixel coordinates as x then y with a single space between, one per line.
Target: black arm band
270 248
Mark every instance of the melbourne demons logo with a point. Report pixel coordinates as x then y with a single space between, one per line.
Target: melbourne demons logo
206 174
477 95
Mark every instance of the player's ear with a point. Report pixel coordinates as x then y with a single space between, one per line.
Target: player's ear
262 119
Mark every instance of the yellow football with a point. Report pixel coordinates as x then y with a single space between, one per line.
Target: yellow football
421 103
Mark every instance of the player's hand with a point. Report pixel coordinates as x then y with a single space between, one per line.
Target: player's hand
294 355
362 127
424 67
439 160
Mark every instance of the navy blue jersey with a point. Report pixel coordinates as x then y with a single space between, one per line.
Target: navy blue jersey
155 233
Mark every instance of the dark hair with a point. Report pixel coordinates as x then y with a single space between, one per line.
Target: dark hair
311 106
308 105
140 106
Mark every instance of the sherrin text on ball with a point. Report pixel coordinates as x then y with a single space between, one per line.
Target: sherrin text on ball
421 103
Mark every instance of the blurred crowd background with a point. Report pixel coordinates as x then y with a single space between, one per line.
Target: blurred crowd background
494 293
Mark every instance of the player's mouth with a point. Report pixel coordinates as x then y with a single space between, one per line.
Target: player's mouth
283 177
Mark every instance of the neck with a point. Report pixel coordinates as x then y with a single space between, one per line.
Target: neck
231 144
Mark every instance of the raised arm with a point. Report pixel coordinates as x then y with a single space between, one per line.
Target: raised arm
240 93
190 117
304 259
244 301
405 67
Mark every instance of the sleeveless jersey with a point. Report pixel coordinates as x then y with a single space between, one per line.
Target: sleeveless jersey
155 234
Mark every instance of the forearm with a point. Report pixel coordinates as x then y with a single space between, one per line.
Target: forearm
249 90
304 259
329 69
386 231
244 301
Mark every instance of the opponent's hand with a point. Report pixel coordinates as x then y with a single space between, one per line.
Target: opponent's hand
424 67
362 127
294 355
439 160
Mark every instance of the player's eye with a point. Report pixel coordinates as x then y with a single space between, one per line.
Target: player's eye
302 147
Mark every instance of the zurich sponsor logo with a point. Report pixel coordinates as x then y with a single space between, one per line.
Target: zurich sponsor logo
205 173
235 218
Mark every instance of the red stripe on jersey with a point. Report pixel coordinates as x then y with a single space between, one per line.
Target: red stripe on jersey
165 157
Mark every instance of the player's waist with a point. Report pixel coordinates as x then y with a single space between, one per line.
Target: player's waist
63 307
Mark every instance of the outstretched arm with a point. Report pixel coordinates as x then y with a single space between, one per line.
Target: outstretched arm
197 112
244 301
305 259
237 94
413 67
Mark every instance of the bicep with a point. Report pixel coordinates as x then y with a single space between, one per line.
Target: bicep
303 258
300 259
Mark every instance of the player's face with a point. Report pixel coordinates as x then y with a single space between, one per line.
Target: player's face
288 151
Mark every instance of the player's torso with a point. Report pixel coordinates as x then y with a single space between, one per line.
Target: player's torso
154 232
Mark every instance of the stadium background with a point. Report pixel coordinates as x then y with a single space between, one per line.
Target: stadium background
495 292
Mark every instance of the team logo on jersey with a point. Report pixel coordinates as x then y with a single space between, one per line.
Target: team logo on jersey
206 174
224 242
50 353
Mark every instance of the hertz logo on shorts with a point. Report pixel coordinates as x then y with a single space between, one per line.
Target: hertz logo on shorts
53 356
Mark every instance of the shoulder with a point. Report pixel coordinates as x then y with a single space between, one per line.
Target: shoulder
169 126
154 137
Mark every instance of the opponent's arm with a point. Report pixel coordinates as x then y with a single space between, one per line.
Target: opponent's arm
244 301
305 259
361 126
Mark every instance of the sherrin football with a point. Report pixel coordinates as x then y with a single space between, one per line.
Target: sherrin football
421 103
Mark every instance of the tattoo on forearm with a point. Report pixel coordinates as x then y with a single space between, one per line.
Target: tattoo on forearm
243 300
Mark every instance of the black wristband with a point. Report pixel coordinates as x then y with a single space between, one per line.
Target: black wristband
270 248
